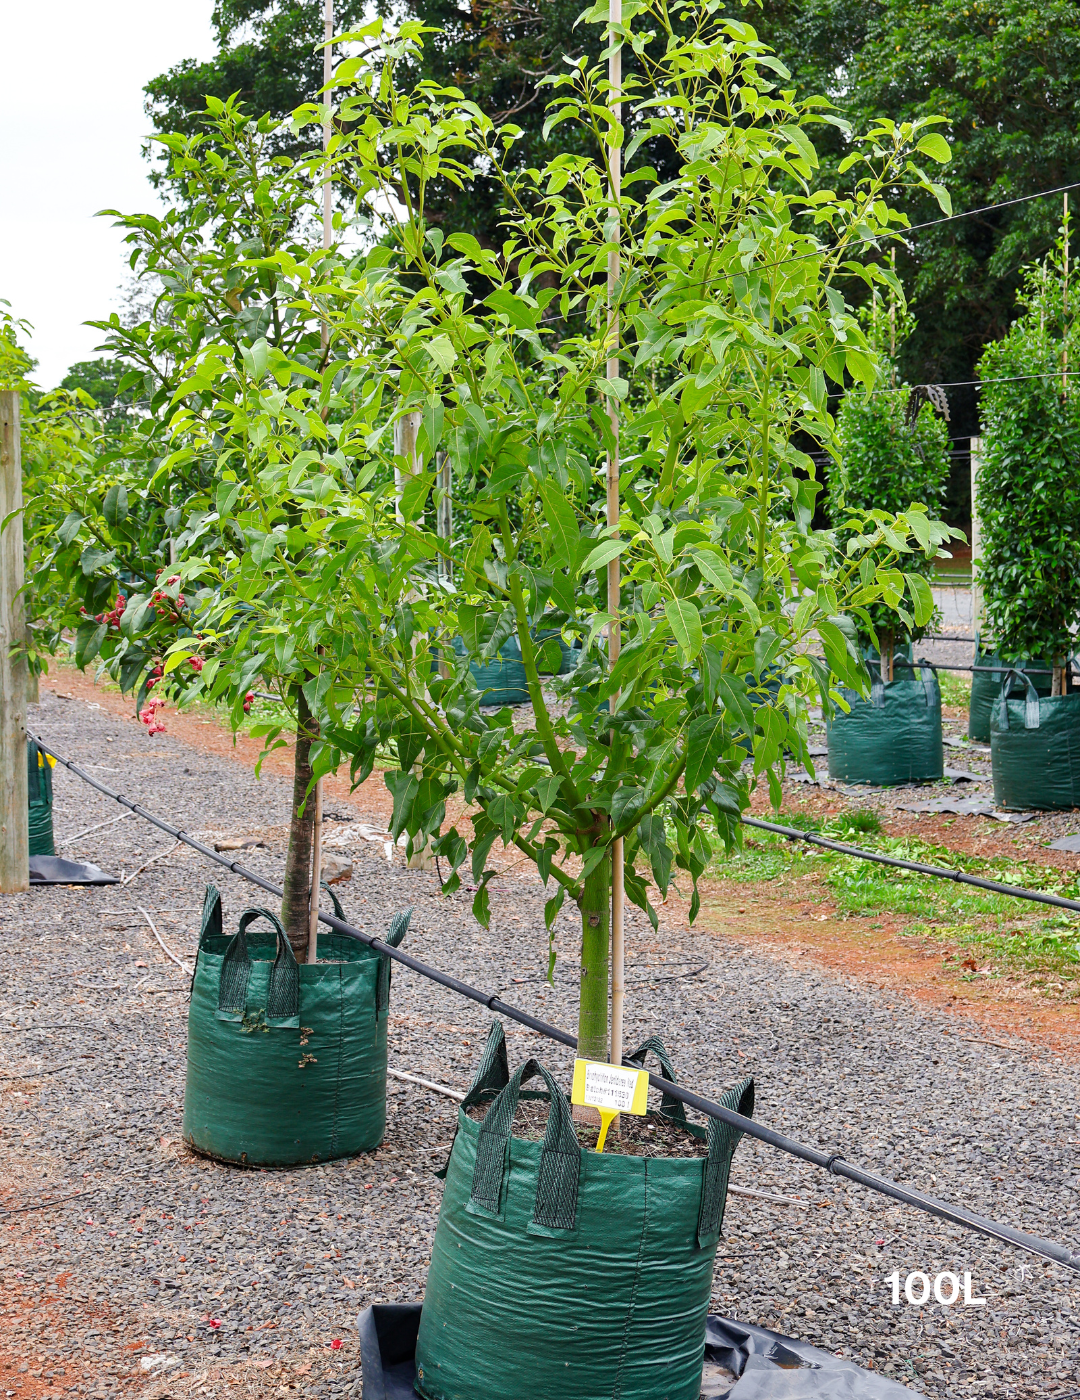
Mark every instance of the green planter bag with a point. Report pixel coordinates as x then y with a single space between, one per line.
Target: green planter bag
40 790
559 1273
1035 747
286 1063
986 687
895 736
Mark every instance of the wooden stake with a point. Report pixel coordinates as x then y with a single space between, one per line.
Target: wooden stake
327 231
327 74
976 539
14 798
1065 296
316 877
618 945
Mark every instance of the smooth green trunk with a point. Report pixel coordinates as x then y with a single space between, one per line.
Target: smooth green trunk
295 904
595 944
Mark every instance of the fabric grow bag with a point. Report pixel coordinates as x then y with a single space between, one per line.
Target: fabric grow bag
39 785
895 736
286 1063
767 1365
560 1273
1035 747
986 687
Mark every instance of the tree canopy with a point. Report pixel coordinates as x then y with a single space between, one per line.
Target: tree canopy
1004 73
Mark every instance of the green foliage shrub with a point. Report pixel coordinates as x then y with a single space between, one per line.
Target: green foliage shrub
889 463
1028 499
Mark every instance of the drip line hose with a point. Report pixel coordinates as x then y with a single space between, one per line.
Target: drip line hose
941 872
831 1162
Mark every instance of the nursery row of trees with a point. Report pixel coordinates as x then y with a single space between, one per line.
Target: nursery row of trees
253 522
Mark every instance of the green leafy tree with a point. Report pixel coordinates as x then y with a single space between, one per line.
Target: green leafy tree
893 454
155 509
1028 502
313 559
1005 74
57 430
100 380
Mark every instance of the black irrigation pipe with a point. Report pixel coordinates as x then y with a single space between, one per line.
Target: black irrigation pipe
941 872
828 1161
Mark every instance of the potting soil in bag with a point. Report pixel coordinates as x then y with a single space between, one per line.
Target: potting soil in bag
286 1063
559 1273
895 736
39 785
1035 746
986 687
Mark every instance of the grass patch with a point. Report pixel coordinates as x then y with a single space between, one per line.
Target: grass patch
955 688
1017 935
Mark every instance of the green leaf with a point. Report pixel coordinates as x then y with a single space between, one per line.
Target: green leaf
603 554
433 422
88 640
802 143
715 570
115 505
481 906
547 790
517 311
70 527
442 352
685 621
414 494
552 907
705 742
922 599
403 788
936 147
561 526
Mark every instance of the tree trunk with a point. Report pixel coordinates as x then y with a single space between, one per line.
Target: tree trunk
595 939
1060 683
888 646
295 904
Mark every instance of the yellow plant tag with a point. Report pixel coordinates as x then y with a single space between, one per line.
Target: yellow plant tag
611 1090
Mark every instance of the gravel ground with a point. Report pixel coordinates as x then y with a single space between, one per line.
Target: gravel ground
173 1276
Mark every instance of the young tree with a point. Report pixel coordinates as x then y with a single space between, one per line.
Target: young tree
733 325
1028 503
893 453
313 557
158 508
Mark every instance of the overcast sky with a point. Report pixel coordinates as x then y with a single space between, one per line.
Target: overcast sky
71 114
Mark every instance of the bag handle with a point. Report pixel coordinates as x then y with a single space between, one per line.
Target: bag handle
555 1207
928 684
674 1109
399 927
493 1072
212 923
1031 699
283 992
723 1140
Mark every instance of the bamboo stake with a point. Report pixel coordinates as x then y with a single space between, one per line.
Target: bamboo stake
14 797
618 945
316 878
327 231
1065 296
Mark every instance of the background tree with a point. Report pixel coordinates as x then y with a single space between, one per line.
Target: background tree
1028 502
269 56
893 454
100 380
